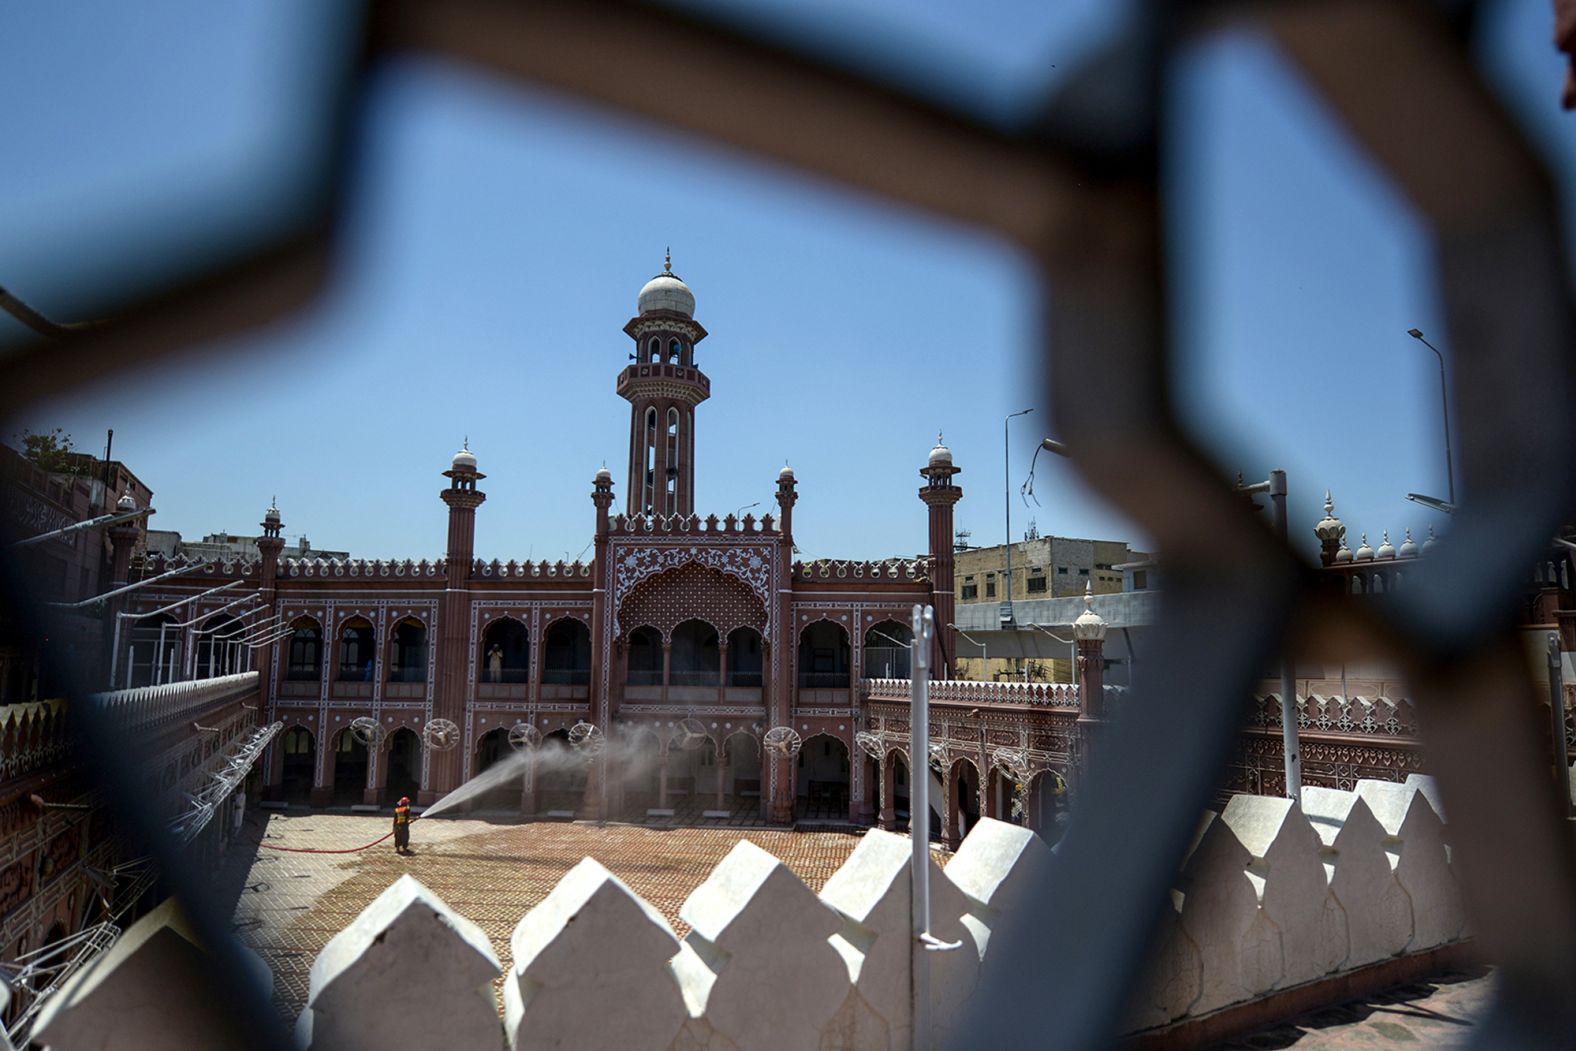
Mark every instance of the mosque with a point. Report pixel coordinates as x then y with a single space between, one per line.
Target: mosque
721 676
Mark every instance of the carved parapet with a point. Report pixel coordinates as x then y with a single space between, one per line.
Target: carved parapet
1287 871
376 983
591 969
690 525
145 706
759 960
1378 912
153 989
873 892
963 691
842 569
1415 843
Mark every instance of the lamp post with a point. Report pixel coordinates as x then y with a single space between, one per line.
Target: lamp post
1444 408
1275 486
1006 494
984 653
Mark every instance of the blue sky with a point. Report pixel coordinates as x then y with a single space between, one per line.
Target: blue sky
497 237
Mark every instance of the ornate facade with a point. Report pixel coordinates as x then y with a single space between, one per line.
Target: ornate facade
680 644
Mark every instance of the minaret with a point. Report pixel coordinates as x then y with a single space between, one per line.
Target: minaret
940 494
1089 638
268 547
663 386
453 634
1330 531
600 702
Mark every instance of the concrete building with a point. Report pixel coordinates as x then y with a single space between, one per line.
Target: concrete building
1042 567
229 547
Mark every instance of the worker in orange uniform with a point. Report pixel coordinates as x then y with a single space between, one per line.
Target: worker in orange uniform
402 820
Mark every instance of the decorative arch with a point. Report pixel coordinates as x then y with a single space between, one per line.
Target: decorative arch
825 773
887 652
696 654
750 564
505 650
299 743
824 654
304 654
693 590
566 651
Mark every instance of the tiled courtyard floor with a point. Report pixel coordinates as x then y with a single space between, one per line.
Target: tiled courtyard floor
289 905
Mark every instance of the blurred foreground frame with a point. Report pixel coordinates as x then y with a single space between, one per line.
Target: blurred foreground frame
1080 192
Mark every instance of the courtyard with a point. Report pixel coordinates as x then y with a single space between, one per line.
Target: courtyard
288 905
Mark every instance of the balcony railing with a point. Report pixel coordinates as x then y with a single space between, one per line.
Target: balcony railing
695 678
567 676
644 677
491 675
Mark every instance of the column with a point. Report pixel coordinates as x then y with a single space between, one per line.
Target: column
888 817
662 778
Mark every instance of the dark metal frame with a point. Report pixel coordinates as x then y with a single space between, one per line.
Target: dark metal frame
1079 192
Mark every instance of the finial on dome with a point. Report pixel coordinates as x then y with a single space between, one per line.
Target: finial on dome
1364 552
1386 549
1329 503
1090 626
667 260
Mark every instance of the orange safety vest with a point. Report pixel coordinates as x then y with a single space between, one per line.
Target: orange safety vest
402 815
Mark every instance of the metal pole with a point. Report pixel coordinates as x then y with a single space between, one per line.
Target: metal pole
1562 769
1006 500
1288 665
919 820
1444 407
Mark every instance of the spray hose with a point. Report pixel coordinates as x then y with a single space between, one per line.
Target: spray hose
324 850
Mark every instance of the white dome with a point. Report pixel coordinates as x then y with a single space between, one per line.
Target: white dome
1090 626
940 456
604 475
1431 541
666 292
464 459
1329 527
1408 547
786 474
126 503
1345 553
1365 553
1386 549
272 514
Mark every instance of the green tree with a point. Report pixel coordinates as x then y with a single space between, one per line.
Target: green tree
51 451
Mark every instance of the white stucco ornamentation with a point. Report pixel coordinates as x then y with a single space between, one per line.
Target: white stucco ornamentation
750 563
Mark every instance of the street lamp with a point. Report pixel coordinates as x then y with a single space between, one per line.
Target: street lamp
1072 644
1006 486
1444 406
1432 502
984 653
740 512
1275 486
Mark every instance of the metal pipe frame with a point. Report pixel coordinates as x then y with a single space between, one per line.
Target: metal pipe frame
1078 189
